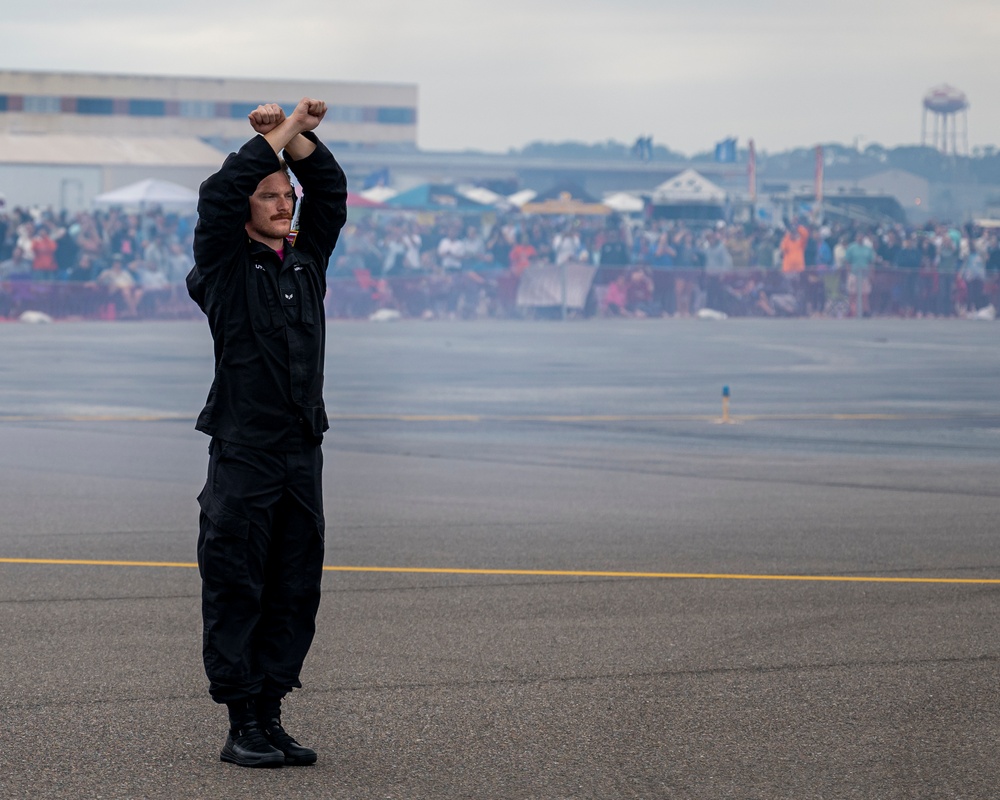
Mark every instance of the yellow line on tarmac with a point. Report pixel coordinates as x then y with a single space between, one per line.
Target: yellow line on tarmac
96 417
87 562
662 575
541 572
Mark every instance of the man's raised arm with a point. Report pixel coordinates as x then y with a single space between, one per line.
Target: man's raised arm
284 133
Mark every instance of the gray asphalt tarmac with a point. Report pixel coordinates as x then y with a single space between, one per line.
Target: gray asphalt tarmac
553 571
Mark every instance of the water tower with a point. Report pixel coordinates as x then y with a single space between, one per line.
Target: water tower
949 107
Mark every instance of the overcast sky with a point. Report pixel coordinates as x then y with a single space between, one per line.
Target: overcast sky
495 75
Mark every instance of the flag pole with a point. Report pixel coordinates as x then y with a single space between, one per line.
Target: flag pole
818 211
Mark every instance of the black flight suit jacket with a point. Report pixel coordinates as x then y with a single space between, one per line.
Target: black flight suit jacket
266 314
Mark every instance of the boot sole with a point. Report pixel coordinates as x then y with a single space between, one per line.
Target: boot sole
300 762
267 761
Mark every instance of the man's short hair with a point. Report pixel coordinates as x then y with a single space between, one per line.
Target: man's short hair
283 167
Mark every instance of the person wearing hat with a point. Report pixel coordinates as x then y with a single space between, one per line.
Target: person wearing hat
261 540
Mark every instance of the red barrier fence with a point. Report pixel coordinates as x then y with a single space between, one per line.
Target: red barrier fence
469 295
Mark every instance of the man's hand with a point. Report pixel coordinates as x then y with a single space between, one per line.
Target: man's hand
308 114
284 133
266 118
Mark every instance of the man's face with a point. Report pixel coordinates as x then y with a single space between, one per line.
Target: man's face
271 210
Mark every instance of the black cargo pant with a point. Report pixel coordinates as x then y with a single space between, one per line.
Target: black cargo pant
260 555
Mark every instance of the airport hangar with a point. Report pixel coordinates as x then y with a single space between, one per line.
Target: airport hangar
66 137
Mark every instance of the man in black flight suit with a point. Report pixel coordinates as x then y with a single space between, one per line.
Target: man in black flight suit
260 546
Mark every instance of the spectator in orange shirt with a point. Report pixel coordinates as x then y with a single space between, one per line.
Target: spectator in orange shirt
793 249
43 247
521 255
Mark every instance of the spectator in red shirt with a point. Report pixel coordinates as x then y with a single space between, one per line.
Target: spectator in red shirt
43 247
521 255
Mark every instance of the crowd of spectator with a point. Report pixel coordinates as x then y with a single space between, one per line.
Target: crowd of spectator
114 263
133 265
655 267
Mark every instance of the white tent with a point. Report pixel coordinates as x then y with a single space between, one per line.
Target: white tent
688 187
522 197
148 194
481 194
624 202
378 194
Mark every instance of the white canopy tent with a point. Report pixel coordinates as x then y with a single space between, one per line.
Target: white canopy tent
378 194
522 197
147 194
625 203
689 186
487 197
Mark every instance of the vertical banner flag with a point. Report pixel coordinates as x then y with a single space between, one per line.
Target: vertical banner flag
379 177
752 171
725 151
819 174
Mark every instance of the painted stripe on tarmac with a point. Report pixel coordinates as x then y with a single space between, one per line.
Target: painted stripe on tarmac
96 418
722 576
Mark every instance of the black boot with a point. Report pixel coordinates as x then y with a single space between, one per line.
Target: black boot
269 717
246 745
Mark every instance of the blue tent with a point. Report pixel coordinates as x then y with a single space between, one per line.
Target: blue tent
435 197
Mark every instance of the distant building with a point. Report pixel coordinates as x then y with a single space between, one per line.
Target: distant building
361 114
65 137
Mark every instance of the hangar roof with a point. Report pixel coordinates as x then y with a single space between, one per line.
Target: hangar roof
82 149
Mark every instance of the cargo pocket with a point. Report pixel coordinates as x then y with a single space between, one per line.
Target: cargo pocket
223 518
223 558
